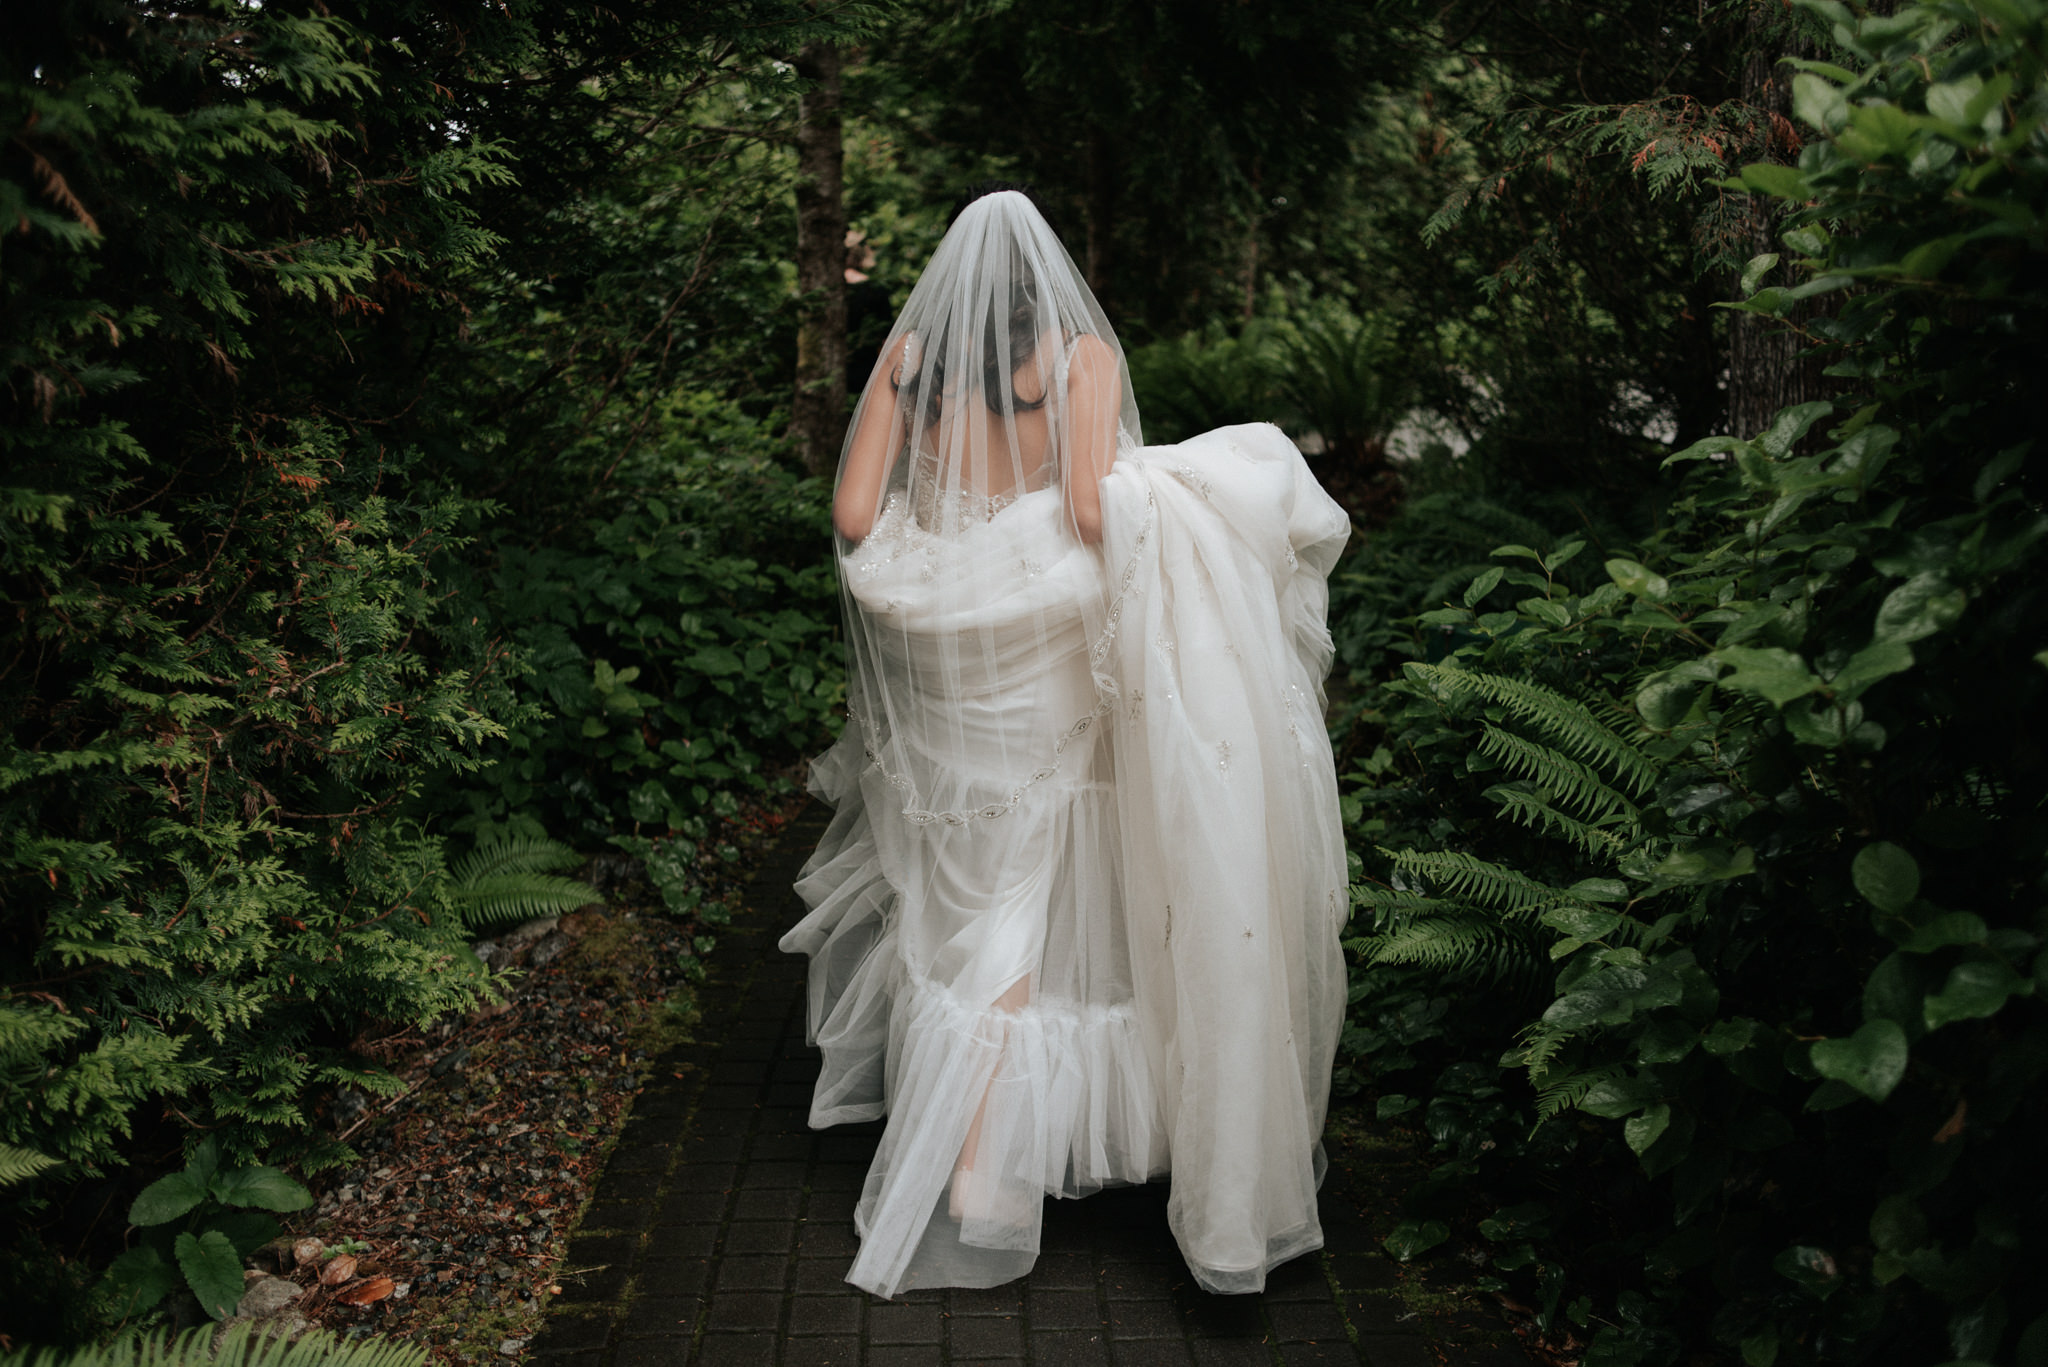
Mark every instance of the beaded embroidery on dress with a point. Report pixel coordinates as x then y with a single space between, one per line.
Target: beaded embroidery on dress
1075 920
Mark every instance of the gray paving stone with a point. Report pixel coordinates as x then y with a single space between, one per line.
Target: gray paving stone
1150 1353
1306 1322
745 1310
1302 1279
691 1207
726 1350
778 1148
569 1333
765 1175
1064 1310
1232 1353
682 1241
767 1205
1144 1281
761 1236
1069 1349
922 1355
1379 1312
821 1275
833 1352
825 1315
1396 1352
675 1276
1331 1353
982 1337
670 1317
619 1216
1064 1272
762 1272
827 1239
995 1300
898 1323
1145 1320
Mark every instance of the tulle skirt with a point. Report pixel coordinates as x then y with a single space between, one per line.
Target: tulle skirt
1127 966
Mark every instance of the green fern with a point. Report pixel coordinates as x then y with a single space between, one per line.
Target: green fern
1529 809
1562 776
1475 880
19 1164
1569 1088
1567 722
508 880
243 1344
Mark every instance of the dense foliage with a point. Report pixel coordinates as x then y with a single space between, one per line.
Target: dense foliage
1704 866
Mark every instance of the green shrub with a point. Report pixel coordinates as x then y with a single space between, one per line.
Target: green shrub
1739 830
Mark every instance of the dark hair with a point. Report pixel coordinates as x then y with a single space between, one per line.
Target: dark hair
983 188
1021 324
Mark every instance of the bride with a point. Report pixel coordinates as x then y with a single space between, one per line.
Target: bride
1075 920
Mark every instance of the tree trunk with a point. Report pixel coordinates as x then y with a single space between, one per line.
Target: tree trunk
819 418
1765 372
1101 211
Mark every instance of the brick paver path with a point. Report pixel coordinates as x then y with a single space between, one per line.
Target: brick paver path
722 1230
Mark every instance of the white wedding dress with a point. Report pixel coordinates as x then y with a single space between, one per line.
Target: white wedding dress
1172 879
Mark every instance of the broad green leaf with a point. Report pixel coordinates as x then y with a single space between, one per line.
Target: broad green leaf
1898 1225
1515 548
1920 607
1582 923
1599 890
1644 1130
1754 272
1706 863
1638 580
1950 100
264 1187
1975 988
1818 102
1872 1060
1761 1348
1563 554
1780 182
1616 1097
212 1270
1483 585
1393 1106
137 1280
166 1199
1665 699
1413 1237
1949 928
1894 992
1729 1036
1876 661
1778 676
1886 875
1813 1269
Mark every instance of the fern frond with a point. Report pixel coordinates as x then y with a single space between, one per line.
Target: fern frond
241 1344
1528 809
1567 722
516 854
1475 880
502 897
1567 1090
18 1165
1562 775
1453 938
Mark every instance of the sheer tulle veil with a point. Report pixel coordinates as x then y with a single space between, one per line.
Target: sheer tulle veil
1074 922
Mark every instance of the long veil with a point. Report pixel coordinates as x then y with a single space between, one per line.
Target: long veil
1075 919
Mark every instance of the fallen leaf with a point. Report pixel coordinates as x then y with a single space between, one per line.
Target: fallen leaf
338 1270
365 1291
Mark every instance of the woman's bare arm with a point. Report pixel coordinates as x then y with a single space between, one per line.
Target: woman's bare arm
875 442
1095 397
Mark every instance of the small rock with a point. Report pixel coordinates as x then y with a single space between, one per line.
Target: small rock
526 932
452 1061
267 1296
549 949
306 1251
350 1105
494 955
275 1256
512 1348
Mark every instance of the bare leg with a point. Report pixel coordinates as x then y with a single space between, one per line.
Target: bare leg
971 1192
